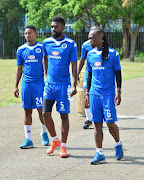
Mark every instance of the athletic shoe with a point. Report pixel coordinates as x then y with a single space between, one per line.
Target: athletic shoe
63 153
119 152
87 124
54 144
45 139
27 144
98 159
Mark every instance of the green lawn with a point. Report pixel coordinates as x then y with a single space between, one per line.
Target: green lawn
8 70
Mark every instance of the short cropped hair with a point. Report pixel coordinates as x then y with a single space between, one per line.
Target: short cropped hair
59 19
31 27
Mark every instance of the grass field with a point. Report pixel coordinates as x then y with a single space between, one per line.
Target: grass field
8 70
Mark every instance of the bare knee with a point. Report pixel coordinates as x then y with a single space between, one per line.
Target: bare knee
64 117
111 125
98 126
46 116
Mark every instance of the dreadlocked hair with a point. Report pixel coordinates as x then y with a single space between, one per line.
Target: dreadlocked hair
105 50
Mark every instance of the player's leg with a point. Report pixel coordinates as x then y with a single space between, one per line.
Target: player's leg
88 122
48 103
64 127
97 118
27 105
37 94
63 107
110 117
44 133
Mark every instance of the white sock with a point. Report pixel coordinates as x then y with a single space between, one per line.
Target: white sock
44 129
27 129
63 144
117 143
99 150
88 114
55 138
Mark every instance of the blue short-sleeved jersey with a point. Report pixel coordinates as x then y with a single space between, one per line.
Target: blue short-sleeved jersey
30 56
86 47
103 76
60 53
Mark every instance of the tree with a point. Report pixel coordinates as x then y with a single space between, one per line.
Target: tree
11 13
133 11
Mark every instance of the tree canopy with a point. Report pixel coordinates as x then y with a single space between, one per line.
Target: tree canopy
11 13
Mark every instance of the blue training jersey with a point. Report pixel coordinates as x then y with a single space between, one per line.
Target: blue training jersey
86 47
60 53
30 56
103 76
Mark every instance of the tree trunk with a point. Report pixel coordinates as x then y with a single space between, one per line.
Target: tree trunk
125 49
133 46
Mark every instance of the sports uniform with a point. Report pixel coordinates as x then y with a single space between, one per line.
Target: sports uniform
102 91
60 53
30 57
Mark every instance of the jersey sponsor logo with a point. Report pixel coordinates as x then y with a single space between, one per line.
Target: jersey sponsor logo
31 57
31 60
55 53
64 46
38 50
98 68
97 63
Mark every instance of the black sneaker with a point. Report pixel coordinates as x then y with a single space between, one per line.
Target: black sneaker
87 124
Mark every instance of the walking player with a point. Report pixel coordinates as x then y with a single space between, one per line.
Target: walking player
59 52
29 63
103 67
86 47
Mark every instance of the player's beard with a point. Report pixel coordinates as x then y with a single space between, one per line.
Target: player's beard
57 34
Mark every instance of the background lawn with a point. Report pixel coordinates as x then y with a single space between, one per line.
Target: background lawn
8 70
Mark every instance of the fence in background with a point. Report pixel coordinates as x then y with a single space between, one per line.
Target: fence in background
115 40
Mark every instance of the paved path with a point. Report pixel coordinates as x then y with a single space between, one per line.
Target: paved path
17 164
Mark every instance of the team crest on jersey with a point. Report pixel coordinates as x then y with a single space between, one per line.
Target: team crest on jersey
64 46
97 63
38 50
55 53
31 57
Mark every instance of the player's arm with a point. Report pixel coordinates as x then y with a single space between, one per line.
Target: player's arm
81 64
18 77
74 76
88 89
45 65
119 83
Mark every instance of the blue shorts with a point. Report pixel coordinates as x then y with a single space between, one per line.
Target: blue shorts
103 107
58 92
85 79
32 94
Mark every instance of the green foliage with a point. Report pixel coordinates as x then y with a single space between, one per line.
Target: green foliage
40 40
120 52
139 54
11 14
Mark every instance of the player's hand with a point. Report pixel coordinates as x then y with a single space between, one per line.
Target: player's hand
118 99
16 92
86 99
74 91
